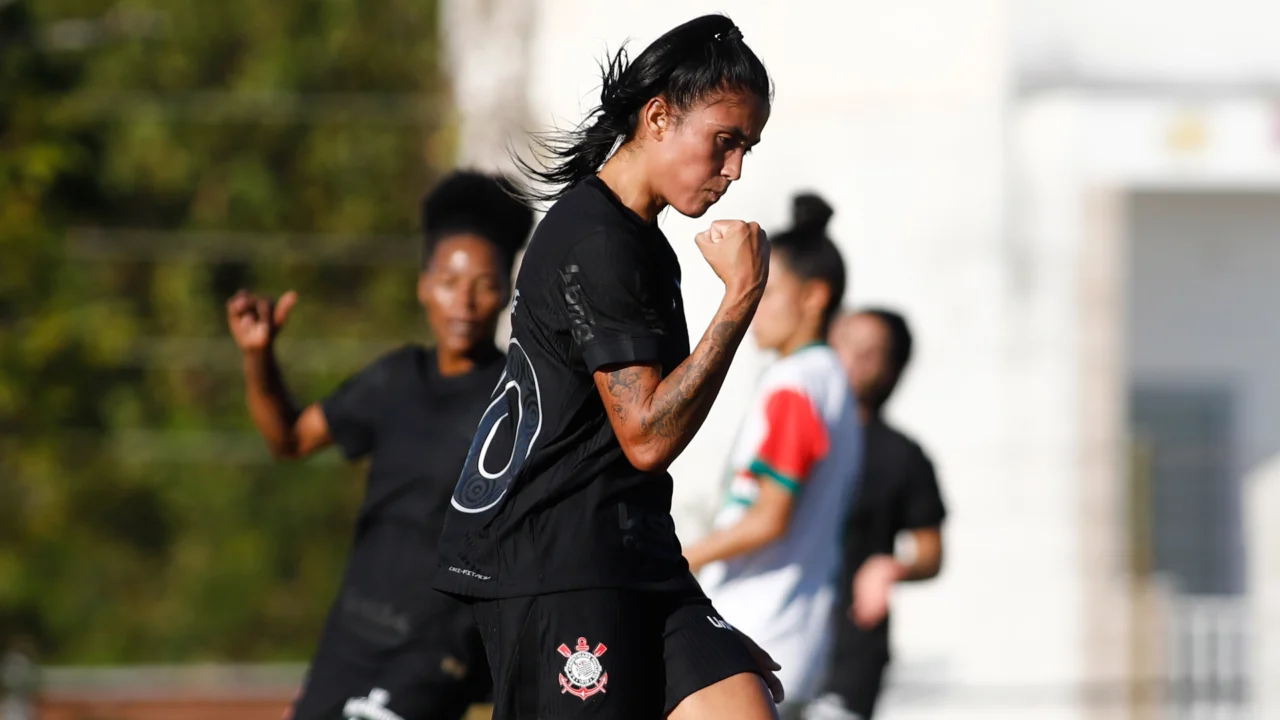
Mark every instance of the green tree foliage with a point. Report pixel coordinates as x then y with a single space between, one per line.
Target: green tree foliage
156 155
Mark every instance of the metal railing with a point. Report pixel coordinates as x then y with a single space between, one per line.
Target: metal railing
1207 660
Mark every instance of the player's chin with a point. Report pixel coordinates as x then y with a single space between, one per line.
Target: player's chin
764 339
461 343
697 207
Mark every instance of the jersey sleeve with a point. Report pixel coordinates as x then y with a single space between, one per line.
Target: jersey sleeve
795 439
923 506
353 409
609 290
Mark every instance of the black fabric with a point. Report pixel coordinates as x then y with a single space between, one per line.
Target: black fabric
367 657
389 628
647 653
547 501
857 677
414 426
898 491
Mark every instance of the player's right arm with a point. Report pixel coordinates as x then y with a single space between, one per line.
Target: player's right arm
654 417
290 432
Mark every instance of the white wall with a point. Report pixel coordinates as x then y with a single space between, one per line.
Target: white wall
1262 505
1204 42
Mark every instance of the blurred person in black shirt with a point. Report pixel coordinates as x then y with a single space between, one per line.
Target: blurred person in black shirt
898 493
560 532
393 647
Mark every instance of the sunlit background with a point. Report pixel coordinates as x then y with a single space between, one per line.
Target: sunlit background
1075 202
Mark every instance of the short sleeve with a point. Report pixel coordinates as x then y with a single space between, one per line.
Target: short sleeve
609 287
353 409
923 506
795 439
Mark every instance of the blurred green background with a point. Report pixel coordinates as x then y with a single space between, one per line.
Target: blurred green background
156 155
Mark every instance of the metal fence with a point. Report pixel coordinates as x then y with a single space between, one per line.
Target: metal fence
1208 658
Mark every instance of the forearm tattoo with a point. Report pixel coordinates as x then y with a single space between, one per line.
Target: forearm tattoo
671 411
667 417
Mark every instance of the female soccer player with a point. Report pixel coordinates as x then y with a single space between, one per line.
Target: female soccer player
772 561
393 647
560 531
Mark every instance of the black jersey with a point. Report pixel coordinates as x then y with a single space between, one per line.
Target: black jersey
899 491
415 427
547 501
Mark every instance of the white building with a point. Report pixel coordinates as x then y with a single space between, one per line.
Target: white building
1078 206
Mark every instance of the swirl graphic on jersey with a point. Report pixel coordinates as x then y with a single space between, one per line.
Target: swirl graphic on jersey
502 442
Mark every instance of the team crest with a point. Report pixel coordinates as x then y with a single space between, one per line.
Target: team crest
583 674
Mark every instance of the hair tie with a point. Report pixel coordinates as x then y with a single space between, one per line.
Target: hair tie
732 33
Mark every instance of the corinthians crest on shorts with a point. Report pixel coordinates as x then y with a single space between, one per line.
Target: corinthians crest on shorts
583 674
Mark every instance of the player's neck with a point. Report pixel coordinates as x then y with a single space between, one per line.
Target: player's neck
625 175
798 343
807 333
453 365
868 413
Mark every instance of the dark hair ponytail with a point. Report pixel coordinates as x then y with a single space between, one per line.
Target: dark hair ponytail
687 65
479 204
810 254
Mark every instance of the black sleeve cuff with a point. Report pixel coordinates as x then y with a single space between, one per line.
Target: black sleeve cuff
621 351
925 520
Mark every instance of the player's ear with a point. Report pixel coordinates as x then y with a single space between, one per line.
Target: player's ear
816 297
657 118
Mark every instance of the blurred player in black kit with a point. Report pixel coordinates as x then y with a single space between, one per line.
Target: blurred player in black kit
560 532
898 493
393 647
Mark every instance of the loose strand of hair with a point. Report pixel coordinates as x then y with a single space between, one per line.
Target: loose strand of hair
562 158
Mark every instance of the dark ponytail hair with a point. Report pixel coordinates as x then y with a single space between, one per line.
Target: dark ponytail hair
810 254
476 203
688 65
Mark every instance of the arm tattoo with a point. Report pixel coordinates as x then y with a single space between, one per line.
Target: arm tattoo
624 387
678 409
667 414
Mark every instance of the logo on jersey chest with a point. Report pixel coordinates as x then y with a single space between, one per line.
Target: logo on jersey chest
580 318
583 674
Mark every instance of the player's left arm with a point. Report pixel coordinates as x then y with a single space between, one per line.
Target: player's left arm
924 513
766 522
794 441
926 562
884 570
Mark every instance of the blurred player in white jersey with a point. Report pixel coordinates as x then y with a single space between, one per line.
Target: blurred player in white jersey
771 562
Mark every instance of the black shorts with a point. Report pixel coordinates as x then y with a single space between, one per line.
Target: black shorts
604 653
367 667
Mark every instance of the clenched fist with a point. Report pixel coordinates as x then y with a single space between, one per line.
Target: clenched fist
738 252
